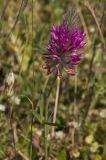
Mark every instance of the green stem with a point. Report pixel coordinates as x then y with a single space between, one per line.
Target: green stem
44 107
32 29
75 109
12 129
46 132
46 126
56 105
42 104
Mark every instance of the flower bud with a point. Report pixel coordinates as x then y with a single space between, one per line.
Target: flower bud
15 100
10 79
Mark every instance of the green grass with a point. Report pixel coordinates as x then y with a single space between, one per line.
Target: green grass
24 34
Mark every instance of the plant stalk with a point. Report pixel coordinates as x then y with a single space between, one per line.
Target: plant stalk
56 105
46 132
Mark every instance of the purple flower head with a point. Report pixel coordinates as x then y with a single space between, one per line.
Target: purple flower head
63 48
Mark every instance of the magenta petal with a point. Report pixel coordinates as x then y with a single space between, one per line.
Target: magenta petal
71 71
56 57
65 42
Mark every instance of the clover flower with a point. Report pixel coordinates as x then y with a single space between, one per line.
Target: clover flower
63 48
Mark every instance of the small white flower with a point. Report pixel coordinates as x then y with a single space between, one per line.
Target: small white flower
48 137
10 79
92 29
103 113
74 124
89 139
15 100
94 147
2 107
38 132
60 134
75 153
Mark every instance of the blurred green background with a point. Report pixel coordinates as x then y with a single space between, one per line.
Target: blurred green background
24 34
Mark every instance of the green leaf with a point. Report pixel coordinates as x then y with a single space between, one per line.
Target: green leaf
98 157
62 155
